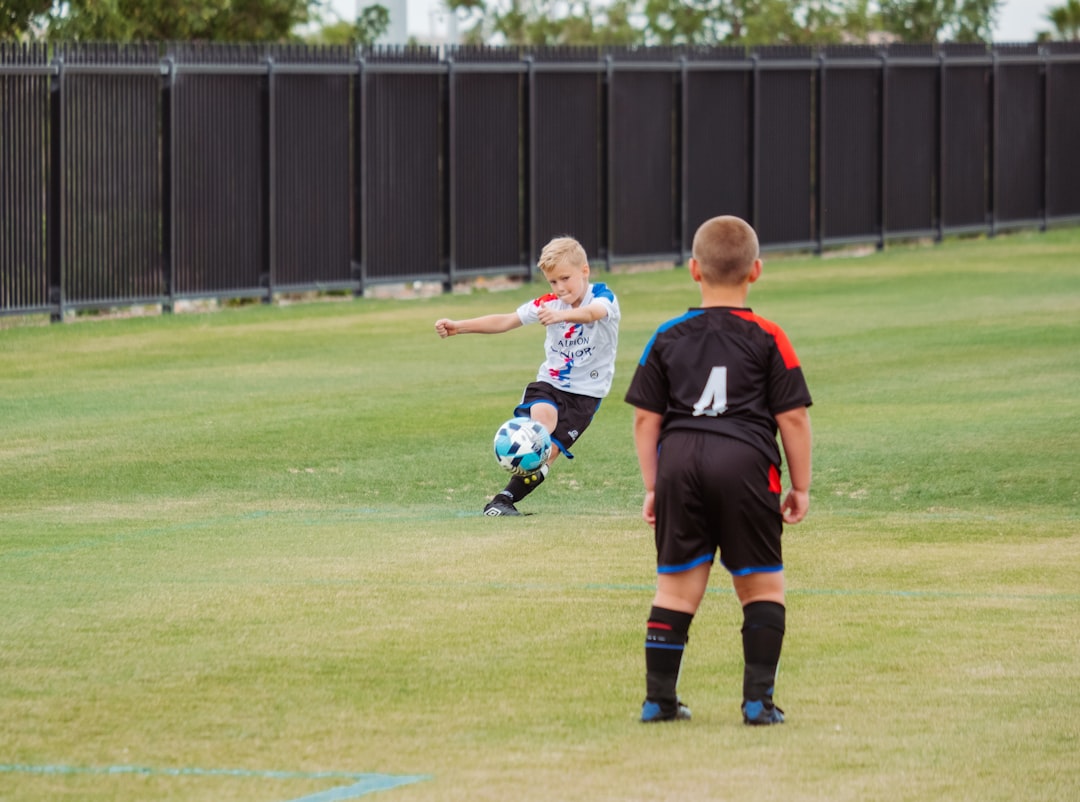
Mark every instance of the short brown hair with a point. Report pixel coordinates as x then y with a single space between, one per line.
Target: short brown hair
725 248
560 250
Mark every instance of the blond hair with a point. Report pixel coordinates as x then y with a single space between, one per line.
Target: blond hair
562 250
725 248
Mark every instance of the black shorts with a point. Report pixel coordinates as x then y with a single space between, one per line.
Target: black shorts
714 493
575 412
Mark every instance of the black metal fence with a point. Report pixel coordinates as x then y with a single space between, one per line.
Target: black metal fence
145 174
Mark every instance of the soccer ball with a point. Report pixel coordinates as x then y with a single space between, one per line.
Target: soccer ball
522 446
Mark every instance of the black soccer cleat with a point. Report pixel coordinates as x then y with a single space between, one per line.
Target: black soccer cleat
654 711
500 505
761 713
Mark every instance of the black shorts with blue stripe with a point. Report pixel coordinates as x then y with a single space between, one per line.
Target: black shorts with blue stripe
575 411
716 494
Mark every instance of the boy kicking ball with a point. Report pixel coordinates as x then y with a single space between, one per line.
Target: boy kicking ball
711 391
581 321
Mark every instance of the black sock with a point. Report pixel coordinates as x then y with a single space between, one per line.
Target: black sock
763 637
665 640
520 486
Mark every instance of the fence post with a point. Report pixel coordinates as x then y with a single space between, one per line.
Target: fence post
684 146
1044 80
451 175
609 173
994 137
941 148
360 113
530 174
168 205
755 141
819 171
54 222
269 173
883 123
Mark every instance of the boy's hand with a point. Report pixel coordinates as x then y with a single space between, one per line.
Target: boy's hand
547 315
795 506
446 328
648 508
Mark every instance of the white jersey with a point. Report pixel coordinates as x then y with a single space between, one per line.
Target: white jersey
580 357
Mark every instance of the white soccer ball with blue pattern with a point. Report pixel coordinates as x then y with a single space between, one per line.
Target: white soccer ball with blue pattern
522 446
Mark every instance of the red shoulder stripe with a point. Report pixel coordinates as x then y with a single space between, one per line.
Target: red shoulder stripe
783 344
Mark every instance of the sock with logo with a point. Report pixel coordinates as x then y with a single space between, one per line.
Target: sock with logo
665 641
763 636
520 486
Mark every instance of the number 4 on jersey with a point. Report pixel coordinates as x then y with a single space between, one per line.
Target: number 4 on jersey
713 401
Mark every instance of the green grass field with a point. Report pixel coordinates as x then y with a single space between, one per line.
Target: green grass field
242 556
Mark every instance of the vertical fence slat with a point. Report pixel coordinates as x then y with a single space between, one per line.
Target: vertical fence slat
1063 134
24 156
644 202
487 230
911 149
719 144
567 144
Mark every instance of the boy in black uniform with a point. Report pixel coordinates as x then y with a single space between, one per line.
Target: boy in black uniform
711 390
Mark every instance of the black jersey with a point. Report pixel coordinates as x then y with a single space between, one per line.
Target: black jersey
723 370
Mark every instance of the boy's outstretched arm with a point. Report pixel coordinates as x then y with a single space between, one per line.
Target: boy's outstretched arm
583 314
796 438
488 324
647 441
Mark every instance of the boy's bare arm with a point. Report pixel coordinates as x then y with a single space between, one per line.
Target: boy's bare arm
795 435
646 440
488 324
583 314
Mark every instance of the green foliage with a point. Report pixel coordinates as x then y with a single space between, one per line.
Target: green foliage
251 540
540 22
18 16
1066 20
724 22
182 20
940 20
547 22
369 26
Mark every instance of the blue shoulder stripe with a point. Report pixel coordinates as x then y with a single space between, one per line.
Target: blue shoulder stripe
602 290
664 327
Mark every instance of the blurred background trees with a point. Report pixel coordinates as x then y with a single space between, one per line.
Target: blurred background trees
153 20
725 22
1066 21
528 22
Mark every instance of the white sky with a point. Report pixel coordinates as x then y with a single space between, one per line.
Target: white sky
1018 20
1021 20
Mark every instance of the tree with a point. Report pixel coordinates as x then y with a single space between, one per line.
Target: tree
182 20
369 26
933 20
546 22
752 22
18 16
667 22
1066 20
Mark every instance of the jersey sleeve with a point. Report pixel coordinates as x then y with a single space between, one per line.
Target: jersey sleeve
603 295
787 385
648 388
